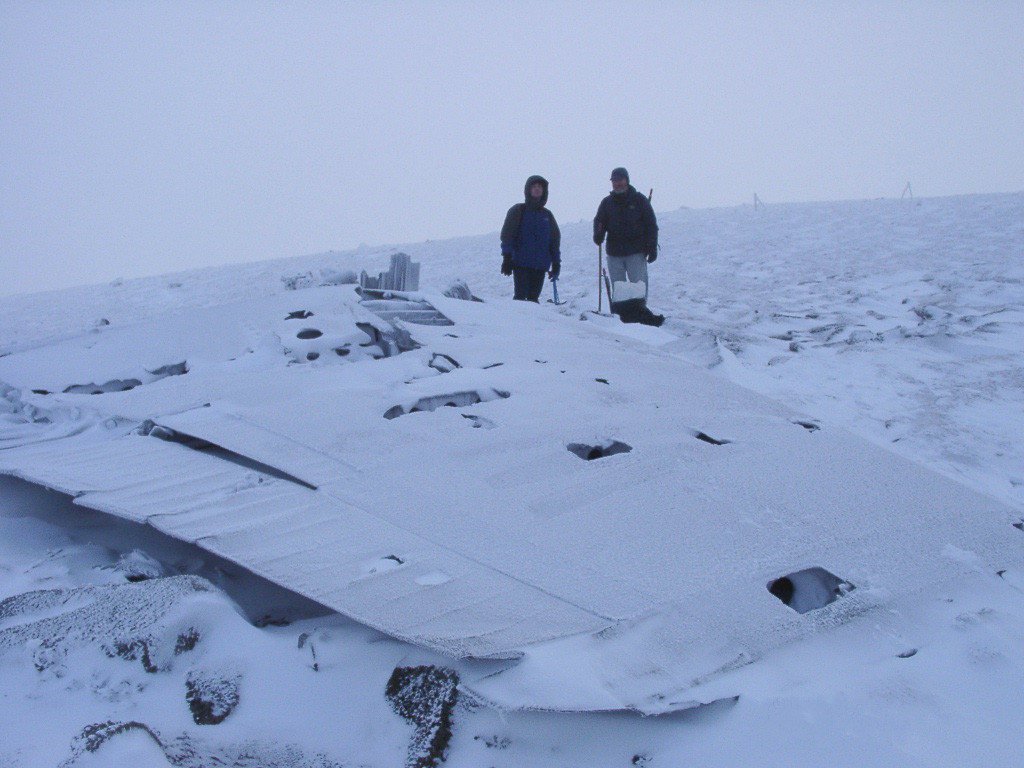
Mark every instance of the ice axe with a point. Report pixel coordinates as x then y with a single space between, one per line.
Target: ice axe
554 290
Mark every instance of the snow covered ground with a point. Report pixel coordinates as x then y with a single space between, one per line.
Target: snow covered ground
901 321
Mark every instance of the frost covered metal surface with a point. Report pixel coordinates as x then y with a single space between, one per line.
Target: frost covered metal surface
656 561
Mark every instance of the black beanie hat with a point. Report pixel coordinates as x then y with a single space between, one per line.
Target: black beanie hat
620 173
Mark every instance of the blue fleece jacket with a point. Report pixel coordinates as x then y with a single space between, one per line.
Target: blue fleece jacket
530 234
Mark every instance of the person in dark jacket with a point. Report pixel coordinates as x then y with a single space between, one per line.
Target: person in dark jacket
627 220
530 242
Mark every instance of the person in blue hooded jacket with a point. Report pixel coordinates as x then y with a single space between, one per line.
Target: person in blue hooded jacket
530 242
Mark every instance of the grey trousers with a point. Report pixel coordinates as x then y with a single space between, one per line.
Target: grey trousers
631 269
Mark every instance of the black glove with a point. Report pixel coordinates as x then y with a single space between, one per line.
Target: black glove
652 256
556 268
506 264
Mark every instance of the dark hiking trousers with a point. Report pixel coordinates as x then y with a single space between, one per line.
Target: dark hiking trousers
527 283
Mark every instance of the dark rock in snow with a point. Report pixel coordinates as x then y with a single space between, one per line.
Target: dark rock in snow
187 641
211 696
425 696
495 741
134 650
96 735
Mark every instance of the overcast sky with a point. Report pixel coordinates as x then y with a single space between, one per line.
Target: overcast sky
146 137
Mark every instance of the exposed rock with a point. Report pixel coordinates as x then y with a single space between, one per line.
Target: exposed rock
425 696
94 736
211 696
185 751
143 621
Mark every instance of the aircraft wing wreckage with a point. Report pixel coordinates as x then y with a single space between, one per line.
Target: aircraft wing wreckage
494 486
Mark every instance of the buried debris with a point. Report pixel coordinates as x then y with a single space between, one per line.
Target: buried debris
452 400
810 426
458 289
479 422
174 369
443 363
305 342
710 440
390 306
392 341
425 696
123 385
138 566
149 428
599 451
114 385
381 565
306 639
809 589
403 275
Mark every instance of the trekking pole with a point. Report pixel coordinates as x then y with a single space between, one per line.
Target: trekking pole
600 271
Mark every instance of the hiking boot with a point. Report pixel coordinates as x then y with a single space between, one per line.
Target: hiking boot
649 318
